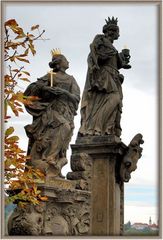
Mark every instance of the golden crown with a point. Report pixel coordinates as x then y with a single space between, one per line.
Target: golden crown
55 52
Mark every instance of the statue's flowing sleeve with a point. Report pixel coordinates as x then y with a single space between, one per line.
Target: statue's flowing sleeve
75 90
37 107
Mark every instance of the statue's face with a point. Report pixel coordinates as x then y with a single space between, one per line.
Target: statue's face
64 63
113 32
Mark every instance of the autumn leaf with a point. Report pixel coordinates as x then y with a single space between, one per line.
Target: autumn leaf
34 27
44 198
11 22
9 131
19 75
21 35
30 35
31 47
12 59
17 173
15 70
12 139
20 109
22 59
27 73
18 104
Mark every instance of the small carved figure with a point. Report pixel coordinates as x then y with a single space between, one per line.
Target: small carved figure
53 114
130 159
55 224
101 105
26 221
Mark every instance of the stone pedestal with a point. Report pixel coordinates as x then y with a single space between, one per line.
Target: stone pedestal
66 213
106 211
91 200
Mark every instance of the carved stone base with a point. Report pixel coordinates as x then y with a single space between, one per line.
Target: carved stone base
91 200
101 171
65 213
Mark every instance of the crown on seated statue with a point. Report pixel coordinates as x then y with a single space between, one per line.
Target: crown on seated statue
55 52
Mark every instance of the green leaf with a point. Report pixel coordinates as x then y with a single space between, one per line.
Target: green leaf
13 139
9 131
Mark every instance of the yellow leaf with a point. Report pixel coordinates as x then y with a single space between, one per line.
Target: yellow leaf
21 35
22 59
27 73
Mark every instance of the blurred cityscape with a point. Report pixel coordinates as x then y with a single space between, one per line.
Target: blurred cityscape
141 229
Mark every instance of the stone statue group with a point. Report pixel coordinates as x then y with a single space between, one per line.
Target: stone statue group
59 95
90 200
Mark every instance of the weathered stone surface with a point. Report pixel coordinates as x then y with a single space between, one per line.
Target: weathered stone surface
131 157
26 221
53 114
81 165
101 105
91 200
102 155
65 213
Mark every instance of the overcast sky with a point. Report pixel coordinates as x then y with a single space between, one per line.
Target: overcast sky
72 27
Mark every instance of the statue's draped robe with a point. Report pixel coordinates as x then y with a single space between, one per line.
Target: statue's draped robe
52 126
102 97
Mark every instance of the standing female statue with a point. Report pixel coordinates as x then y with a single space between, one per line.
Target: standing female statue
53 114
101 105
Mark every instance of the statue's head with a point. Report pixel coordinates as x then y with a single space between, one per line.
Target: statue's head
59 61
111 29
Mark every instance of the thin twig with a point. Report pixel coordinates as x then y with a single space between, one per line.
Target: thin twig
38 35
11 56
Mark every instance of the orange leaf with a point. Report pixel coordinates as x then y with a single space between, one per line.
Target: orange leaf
30 35
15 70
11 22
20 109
34 27
18 104
44 198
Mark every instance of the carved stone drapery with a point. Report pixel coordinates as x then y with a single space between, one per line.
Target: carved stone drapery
53 115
